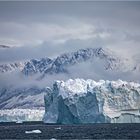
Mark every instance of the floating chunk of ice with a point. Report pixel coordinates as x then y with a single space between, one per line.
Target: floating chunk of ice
32 131
58 128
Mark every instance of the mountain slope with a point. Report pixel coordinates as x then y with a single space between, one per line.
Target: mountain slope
61 64
36 66
10 67
25 98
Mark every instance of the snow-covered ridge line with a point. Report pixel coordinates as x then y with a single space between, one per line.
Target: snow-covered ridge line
10 67
59 64
88 101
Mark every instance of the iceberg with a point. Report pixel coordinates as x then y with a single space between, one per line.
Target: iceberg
87 101
33 131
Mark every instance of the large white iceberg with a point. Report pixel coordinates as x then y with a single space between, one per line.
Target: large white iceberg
87 101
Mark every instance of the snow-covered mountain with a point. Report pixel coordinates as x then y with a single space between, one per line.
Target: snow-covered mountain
10 67
37 66
61 64
87 101
25 98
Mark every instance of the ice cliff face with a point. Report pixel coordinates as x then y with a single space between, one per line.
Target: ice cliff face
87 101
20 115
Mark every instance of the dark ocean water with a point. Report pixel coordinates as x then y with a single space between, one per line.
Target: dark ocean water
56 131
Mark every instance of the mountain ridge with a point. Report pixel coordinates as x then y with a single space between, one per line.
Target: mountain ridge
59 64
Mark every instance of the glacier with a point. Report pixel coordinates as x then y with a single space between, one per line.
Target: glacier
20 115
87 101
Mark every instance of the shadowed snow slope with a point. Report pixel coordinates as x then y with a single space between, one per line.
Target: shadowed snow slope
22 98
87 101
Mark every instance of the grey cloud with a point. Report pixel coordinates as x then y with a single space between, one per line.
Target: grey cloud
50 28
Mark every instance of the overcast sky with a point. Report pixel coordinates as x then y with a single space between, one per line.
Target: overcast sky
38 29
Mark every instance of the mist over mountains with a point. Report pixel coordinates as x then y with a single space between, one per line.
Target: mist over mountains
95 63
23 84
51 50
